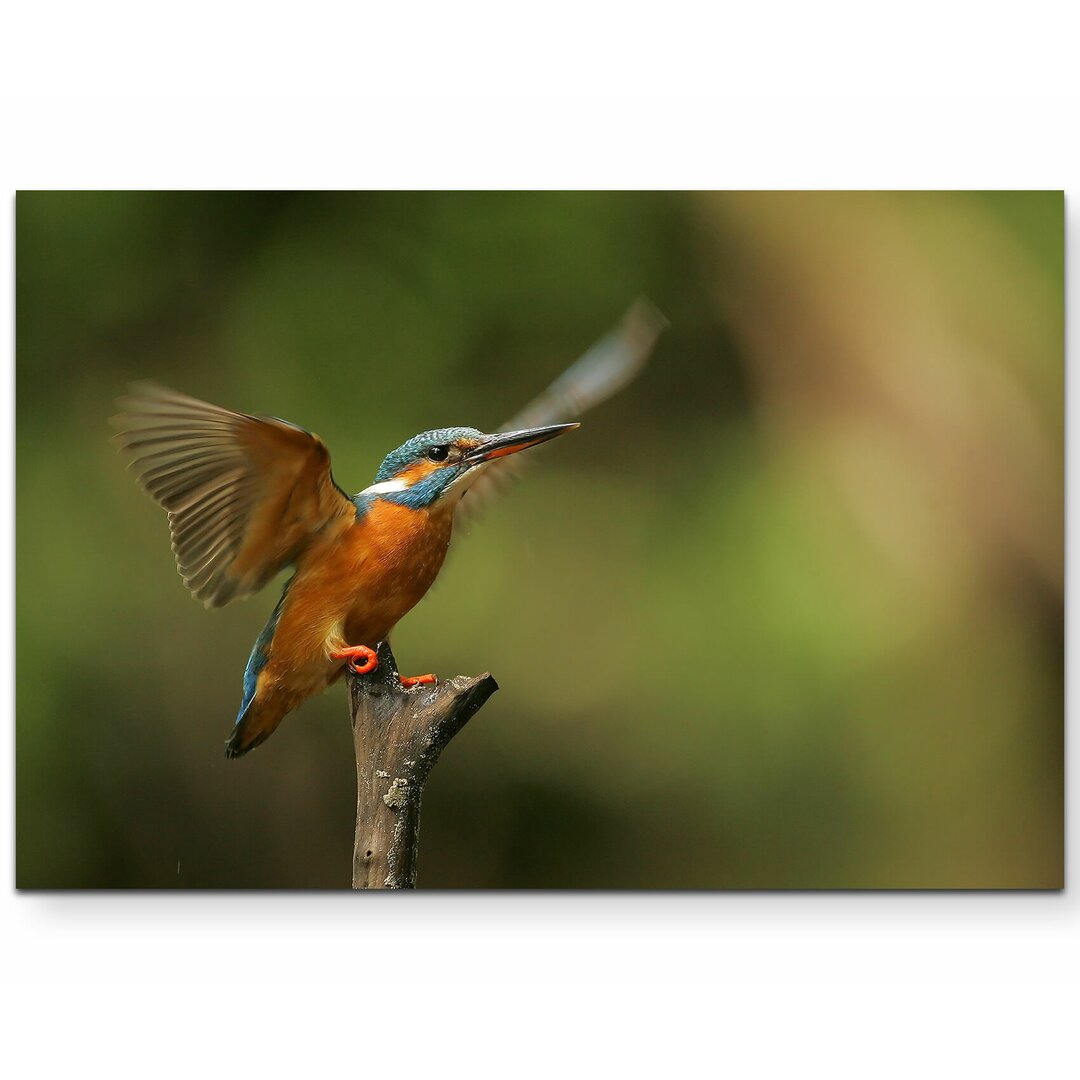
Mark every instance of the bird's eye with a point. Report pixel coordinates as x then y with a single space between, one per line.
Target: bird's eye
438 453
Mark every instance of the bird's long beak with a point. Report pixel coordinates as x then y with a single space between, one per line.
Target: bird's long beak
510 442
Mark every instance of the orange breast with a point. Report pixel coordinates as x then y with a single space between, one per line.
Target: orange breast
394 555
354 587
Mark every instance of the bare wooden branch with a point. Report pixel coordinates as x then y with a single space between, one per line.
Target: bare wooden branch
398 735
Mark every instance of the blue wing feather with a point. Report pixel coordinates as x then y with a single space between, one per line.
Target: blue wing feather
257 660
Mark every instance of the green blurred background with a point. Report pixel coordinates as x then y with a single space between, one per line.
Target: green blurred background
787 613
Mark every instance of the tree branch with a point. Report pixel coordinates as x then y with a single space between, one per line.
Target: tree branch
398 735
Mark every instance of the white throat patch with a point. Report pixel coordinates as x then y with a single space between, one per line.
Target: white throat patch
385 487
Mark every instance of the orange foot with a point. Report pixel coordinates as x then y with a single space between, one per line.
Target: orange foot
409 681
361 659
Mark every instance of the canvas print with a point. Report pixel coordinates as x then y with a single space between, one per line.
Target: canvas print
561 540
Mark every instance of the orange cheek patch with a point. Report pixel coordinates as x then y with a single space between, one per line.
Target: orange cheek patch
416 472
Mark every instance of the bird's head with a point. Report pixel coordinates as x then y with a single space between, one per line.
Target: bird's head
440 464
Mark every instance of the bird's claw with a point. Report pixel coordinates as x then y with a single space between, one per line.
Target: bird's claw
361 659
409 681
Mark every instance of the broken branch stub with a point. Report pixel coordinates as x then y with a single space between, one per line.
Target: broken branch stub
398 735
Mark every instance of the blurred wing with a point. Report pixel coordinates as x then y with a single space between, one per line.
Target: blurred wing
244 494
613 362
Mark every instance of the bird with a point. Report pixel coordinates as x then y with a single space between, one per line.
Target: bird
248 496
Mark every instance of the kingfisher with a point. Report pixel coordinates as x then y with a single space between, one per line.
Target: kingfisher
248 496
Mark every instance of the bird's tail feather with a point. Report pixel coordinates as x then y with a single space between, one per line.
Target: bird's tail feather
253 726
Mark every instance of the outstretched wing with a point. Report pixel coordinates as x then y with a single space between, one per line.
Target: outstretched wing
244 494
609 365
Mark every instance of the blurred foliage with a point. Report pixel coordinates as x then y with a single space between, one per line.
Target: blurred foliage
786 613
